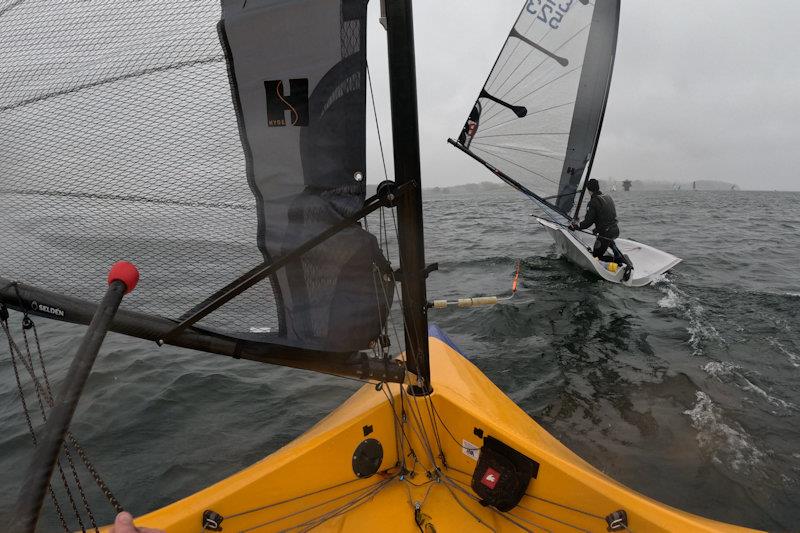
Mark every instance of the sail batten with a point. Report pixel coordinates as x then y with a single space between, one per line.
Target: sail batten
537 118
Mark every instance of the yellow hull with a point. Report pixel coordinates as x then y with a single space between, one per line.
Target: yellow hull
310 483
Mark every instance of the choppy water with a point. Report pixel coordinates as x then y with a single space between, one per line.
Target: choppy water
685 390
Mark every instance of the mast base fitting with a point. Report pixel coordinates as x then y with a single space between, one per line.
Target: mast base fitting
417 390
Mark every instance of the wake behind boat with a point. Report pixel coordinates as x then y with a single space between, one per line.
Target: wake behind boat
537 121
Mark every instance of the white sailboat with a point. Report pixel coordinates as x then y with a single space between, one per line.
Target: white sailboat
537 121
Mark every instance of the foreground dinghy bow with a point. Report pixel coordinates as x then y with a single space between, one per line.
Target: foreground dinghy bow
239 147
537 121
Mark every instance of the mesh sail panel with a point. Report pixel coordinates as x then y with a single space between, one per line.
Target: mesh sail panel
538 115
121 137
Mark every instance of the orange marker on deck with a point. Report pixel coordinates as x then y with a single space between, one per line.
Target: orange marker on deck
516 277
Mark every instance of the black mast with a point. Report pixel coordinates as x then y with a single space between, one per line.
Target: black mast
405 133
590 45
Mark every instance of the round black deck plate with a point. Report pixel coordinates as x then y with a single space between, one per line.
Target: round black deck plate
367 457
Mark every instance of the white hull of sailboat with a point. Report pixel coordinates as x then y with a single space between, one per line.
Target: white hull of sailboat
649 262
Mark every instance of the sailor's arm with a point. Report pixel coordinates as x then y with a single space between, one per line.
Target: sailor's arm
591 215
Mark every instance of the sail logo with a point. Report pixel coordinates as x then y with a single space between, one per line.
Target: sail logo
291 105
36 306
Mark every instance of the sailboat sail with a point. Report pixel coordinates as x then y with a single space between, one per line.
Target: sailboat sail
200 149
537 119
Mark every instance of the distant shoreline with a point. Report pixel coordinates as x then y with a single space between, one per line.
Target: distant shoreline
606 186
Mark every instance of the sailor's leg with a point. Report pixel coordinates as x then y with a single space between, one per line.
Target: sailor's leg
600 247
618 256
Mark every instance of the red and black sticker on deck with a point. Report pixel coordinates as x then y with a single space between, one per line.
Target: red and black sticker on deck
502 475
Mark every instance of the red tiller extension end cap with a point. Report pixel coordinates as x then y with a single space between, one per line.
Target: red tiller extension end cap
126 273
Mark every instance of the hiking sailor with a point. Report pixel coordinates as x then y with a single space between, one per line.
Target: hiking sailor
603 214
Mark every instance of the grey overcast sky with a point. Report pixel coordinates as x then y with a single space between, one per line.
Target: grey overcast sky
701 90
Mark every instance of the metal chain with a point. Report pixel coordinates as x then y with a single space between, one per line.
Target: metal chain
27 323
46 393
75 444
6 330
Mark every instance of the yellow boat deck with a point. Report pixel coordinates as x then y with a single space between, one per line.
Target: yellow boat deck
310 483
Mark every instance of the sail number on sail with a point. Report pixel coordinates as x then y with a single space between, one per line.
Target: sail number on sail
549 11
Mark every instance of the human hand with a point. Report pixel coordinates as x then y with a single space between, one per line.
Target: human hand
124 524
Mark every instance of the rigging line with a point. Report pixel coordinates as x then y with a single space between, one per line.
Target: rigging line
312 523
503 96
429 405
530 114
573 526
377 124
385 235
469 512
416 507
426 440
376 272
300 497
420 430
390 320
422 433
551 518
416 414
518 165
138 73
400 433
345 508
460 445
380 484
533 497
501 514
517 149
564 506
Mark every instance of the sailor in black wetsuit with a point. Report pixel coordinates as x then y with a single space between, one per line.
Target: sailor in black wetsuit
603 214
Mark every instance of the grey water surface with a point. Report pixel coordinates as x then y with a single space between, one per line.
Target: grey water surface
686 390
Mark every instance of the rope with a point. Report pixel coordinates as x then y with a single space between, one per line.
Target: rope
377 124
375 489
422 433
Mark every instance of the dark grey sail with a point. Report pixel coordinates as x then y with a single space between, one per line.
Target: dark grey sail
197 149
537 119
302 111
